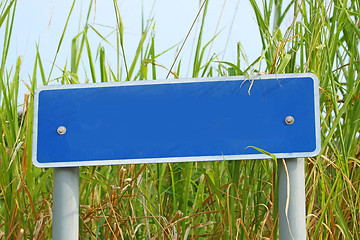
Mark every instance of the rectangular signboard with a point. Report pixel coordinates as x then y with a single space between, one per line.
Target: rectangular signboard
179 120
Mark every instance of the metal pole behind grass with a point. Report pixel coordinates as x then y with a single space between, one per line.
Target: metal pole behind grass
292 225
66 204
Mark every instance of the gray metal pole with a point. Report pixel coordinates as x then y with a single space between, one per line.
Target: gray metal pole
66 204
293 224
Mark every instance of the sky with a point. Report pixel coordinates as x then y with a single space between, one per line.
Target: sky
42 22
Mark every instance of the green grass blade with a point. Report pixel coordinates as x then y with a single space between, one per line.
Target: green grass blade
61 40
103 71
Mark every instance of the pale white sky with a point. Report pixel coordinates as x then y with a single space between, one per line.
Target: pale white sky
42 21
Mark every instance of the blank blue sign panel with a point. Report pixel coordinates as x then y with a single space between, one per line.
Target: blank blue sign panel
176 120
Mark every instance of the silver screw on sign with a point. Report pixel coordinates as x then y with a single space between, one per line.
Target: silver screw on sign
61 130
289 120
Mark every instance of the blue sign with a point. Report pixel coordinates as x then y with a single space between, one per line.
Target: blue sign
176 120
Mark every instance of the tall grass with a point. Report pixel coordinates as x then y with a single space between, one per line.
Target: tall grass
207 200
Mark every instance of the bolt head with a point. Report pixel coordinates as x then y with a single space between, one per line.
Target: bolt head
289 120
61 130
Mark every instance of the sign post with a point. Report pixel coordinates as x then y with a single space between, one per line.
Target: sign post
188 120
65 222
292 211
